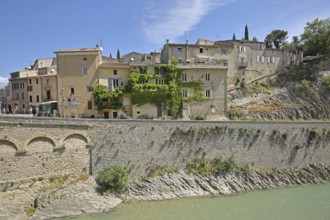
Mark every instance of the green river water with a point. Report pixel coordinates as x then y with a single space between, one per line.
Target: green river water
310 202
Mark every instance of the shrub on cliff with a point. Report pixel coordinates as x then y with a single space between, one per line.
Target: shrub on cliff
200 166
216 167
228 165
113 179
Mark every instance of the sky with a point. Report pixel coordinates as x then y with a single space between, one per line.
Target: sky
35 29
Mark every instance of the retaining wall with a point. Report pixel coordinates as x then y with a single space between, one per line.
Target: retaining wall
36 147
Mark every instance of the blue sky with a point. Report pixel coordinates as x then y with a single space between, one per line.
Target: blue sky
34 29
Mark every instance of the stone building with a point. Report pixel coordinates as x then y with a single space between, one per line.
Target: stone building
32 86
244 59
76 76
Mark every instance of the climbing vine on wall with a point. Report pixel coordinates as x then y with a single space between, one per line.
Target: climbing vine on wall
170 94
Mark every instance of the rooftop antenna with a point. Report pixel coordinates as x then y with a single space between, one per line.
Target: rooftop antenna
101 45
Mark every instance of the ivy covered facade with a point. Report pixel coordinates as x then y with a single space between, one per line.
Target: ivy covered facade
158 91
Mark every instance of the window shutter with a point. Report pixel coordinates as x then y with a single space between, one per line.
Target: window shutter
121 82
257 59
262 59
110 85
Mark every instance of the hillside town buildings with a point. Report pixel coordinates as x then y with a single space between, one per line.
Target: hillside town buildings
207 70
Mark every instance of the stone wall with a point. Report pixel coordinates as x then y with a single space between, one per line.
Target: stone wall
34 147
32 151
147 147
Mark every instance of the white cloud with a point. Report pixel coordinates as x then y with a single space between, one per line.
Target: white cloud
3 81
169 19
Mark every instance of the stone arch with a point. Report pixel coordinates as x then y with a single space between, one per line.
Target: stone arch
11 147
78 134
41 137
14 143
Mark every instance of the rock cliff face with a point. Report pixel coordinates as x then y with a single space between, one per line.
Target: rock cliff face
79 197
285 100
184 185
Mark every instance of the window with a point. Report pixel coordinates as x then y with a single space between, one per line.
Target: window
260 59
201 50
71 91
260 46
37 81
224 51
90 88
37 98
207 77
30 98
179 49
185 93
184 77
17 96
242 49
208 93
126 101
271 59
148 57
47 82
22 95
113 83
29 88
84 71
115 72
30 81
160 82
90 105
48 94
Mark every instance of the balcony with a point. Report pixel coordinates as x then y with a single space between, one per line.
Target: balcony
203 65
242 64
47 87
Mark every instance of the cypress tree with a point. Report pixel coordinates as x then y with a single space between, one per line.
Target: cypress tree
234 36
118 55
246 33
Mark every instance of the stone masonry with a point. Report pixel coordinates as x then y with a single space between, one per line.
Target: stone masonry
32 148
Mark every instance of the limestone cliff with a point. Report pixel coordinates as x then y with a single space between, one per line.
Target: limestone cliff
299 93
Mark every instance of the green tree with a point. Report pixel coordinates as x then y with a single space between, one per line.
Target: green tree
246 33
118 55
113 179
110 55
234 36
316 38
254 39
276 38
98 92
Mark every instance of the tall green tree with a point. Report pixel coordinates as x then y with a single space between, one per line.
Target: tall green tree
234 36
118 55
276 38
246 33
316 38
254 39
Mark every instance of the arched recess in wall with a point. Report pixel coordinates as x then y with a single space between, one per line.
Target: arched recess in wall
8 148
75 139
39 143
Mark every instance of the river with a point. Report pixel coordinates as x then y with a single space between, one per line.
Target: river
302 202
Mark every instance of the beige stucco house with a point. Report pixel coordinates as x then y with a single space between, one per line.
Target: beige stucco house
76 76
33 86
